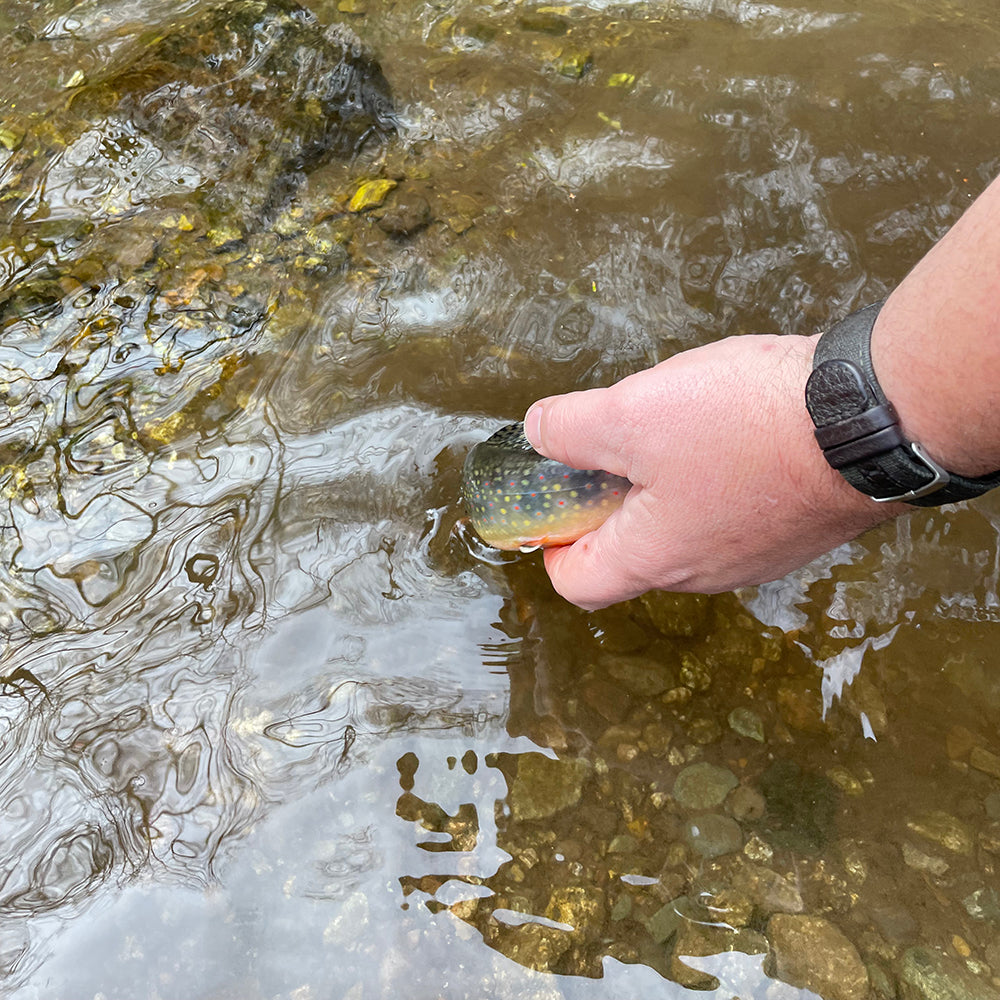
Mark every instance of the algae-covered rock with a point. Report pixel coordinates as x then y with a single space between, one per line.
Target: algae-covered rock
813 953
543 786
245 97
801 806
926 974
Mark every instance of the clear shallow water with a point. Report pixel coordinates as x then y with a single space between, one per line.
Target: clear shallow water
270 729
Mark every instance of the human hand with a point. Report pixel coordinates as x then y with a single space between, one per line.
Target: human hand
730 488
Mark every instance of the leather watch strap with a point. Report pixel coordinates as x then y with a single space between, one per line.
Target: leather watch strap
858 428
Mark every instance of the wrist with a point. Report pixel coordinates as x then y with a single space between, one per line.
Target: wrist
935 407
859 429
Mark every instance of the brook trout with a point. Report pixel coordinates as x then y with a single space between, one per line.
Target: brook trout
518 499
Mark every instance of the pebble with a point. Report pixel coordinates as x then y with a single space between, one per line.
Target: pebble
678 615
918 861
703 786
666 920
992 805
989 838
769 892
578 906
982 760
638 675
801 706
845 781
746 803
944 829
607 699
712 835
370 194
894 922
983 904
407 215
747 722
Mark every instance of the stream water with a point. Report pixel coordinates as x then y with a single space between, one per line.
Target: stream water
269 726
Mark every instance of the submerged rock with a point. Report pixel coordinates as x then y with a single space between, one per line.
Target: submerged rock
703 786
544 786
243 98
697 940
813 953
712 835
926 974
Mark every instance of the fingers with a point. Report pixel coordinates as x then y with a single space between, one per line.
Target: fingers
585 430
593 572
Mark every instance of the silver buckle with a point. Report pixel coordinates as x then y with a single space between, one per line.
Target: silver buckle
940 480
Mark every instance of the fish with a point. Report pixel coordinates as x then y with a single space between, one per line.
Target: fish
518 499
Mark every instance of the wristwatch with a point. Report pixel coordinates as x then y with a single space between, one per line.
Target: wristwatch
858 428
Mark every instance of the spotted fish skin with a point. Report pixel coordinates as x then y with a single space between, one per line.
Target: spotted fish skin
518 499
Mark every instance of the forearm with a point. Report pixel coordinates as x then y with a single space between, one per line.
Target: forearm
936 344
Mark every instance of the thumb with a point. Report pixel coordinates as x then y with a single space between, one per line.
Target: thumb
580 429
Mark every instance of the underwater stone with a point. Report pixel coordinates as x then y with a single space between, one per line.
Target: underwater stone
678 615
703 786
712 835
698 940
642 677
747 722
746 803
544 786
813 953
944 829
926 974
247 95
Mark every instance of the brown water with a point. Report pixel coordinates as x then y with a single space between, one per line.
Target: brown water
269 727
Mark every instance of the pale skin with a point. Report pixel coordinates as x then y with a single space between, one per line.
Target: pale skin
730 486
